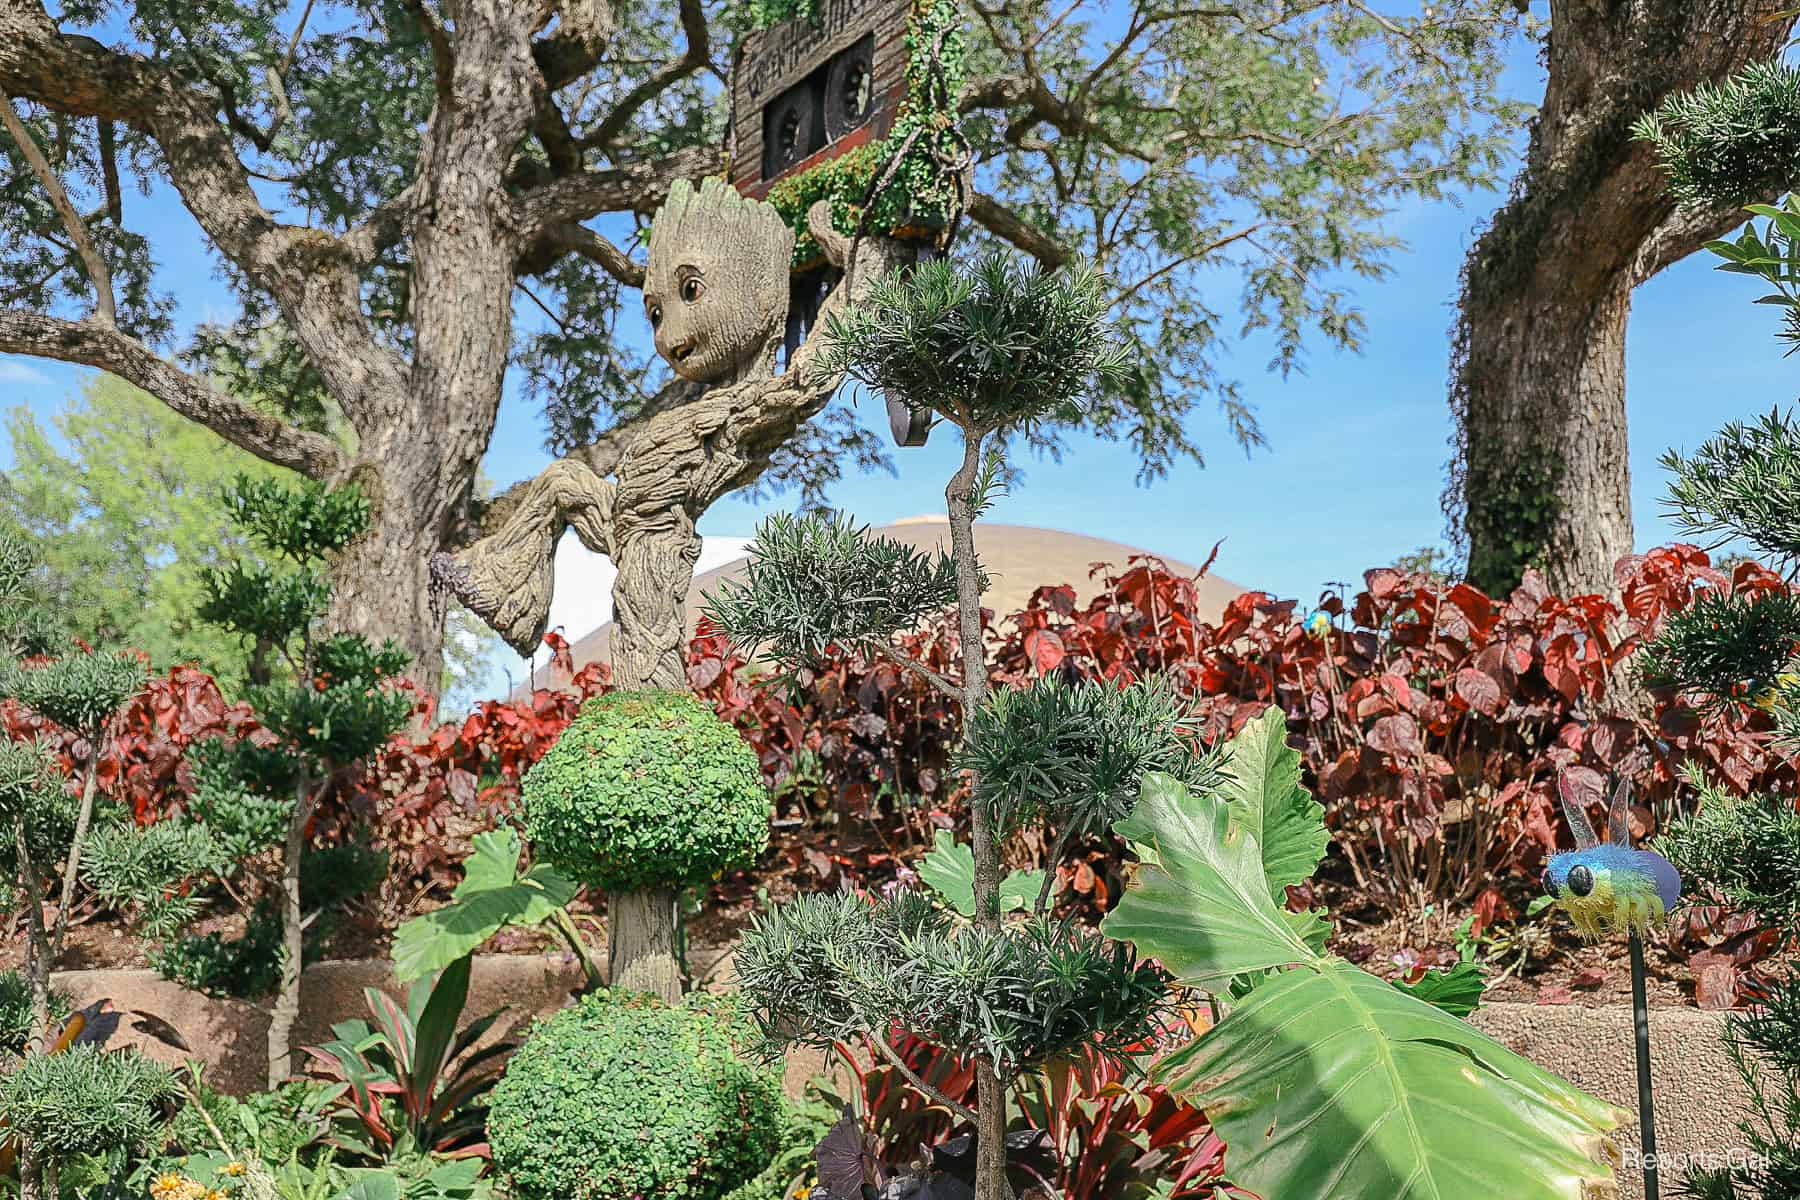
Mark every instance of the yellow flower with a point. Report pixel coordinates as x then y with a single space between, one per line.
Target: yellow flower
215 1194
167 1185
233 1169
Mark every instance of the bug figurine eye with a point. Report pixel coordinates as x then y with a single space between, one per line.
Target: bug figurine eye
691 287
1581 881
655 315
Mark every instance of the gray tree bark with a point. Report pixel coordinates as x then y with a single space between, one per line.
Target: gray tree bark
473 215
1541 476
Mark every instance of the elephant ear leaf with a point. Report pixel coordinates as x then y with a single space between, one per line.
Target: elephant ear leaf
1199 900
1263 790
491 896
1326 1082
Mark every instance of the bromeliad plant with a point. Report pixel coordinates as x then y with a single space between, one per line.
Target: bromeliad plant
990 351
412 1080
1326 1082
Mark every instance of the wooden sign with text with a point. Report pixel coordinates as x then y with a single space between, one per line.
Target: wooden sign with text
807 91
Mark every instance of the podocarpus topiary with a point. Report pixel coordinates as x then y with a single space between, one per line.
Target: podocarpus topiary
624 1095
646 793
261 797
990 350
85 1100
1722 146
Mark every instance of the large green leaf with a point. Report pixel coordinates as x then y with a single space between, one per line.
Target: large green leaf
491 896
1198 895
1325 1082
948 868
1263 789
1330 1084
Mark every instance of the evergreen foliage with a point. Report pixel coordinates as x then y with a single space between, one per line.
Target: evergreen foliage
622 1095
1732 142
839 968
647 790
256 801
993 348
1726 145
85 1100
815 581
1075 754
15 1011
998 344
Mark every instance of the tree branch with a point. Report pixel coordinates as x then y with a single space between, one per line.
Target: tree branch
97 270
570 238
1007 225
693 26
633 187
1685 231
92 344
311 273
899 1064
936 679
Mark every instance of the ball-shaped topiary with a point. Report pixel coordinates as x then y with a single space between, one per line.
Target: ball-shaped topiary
647 790
623 1095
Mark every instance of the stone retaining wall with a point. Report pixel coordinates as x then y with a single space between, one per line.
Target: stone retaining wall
1699 1095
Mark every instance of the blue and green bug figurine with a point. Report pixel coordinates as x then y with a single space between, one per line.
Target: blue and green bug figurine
1606 887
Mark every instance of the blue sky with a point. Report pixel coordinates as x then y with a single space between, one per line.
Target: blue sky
1354 467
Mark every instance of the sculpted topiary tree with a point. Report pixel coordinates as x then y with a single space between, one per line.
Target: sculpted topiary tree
989 352
46 827
645 794
339 707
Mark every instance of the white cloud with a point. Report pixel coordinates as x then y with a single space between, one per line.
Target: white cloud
14 370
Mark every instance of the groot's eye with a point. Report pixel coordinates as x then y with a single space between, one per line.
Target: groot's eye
691 287
655 315
1581 881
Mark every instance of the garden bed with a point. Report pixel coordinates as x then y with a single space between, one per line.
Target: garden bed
1700 1097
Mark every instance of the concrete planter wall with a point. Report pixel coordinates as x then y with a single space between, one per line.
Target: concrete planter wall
1700 1098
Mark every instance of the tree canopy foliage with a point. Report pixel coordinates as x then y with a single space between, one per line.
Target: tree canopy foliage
1177 148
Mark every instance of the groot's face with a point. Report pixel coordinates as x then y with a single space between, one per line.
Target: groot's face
698 317
716 284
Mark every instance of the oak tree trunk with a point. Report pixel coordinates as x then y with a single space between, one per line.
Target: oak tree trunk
381 584
1541 476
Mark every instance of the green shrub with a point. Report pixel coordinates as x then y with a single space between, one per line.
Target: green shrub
625 1096
85 1100
647 790
243 967
15 1011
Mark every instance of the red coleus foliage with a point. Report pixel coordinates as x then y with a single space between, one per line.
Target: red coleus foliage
143 761
1108 1131
430 797
1432 718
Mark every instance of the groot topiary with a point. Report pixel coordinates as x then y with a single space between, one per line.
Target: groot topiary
644 794
624 1095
